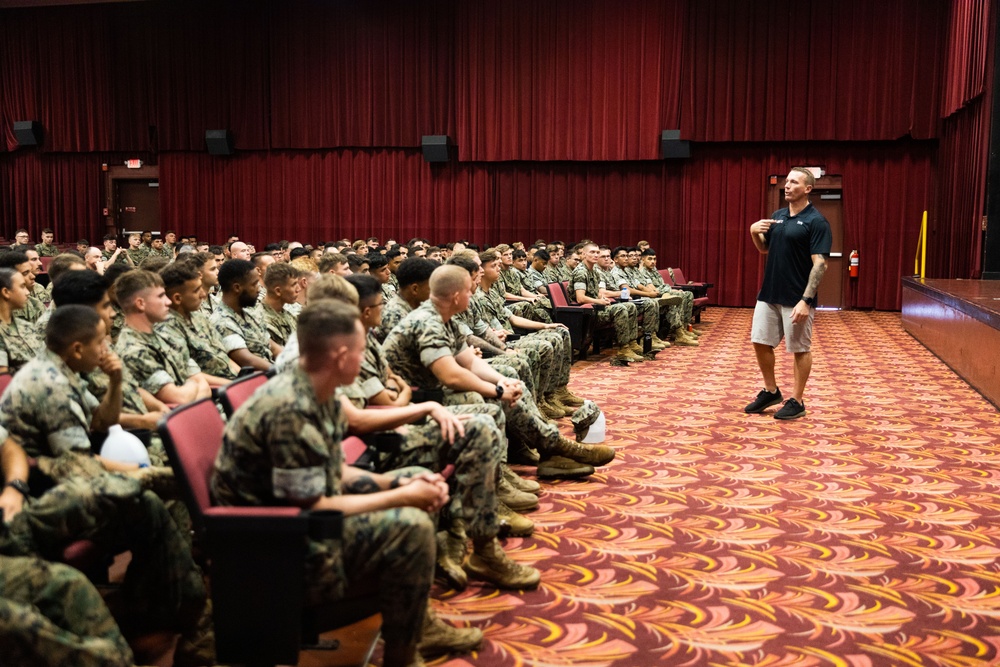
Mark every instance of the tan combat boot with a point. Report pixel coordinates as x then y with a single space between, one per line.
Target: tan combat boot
438 637
489 562
513 524
518 482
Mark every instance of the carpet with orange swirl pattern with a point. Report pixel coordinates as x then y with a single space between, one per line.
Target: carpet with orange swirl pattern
865 534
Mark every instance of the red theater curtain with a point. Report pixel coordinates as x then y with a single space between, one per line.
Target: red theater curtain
209 67
361 74
321 196
61 191
566 80
968 44
787 70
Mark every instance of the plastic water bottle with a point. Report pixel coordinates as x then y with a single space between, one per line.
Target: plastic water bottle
625 296
122 446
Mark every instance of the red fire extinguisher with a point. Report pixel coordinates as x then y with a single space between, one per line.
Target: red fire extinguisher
854 263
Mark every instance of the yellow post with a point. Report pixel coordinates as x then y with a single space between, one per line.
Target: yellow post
923 246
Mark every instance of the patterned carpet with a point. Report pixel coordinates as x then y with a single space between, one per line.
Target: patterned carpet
864 534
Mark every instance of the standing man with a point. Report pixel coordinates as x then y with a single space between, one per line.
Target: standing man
796 241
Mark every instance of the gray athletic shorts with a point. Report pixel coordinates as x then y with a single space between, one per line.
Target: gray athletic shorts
771 322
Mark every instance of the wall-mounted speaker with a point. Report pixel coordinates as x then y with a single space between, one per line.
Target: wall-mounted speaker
219 142
28 132
435 147
672 146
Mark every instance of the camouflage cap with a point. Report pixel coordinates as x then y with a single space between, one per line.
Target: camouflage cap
585 416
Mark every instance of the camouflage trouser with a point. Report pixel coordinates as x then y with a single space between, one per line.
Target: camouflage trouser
623 317
524 421
542 358
650 312
671 317
563 359
50 614
476 457
687 307
163 586
391 551
516 366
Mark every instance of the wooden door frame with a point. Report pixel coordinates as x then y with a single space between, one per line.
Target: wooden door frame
113 176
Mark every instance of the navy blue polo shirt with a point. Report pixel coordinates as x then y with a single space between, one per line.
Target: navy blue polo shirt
791 243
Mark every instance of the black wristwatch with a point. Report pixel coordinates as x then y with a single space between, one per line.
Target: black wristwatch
810 300
19 486
499 390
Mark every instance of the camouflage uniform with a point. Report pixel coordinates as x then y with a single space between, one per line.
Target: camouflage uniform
552 346
140 253
523 365
621 315
564 272
388 291
422 338
46 249
533 280
153 361
164 252
475 455
163 586
393 312
201 340
50 614
283 447
551 274
20 341
42 293
48 407
279 324
515 280
117 322
32 311
210 303
241 331
654 277
648 308
120 259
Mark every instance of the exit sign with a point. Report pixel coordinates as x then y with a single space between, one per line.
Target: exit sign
133 164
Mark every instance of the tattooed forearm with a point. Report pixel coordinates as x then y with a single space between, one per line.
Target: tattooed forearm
362 484
815 275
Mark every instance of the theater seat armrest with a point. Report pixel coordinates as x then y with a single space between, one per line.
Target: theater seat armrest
256 519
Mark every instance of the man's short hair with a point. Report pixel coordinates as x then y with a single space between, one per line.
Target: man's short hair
488 256
447 280
355 262
176 274
79 288
110 237
24 247
48 230
153 263
62 263
71 324
464 259
618 249
518 254
332 286
215 250
321 322
297 252
542 253
112 273
304 265
648 251
807 175
368 287
413 270
7 277
376 261
12 258
129 285
278 275
234 271
502 248
199 259
331 260
393 252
